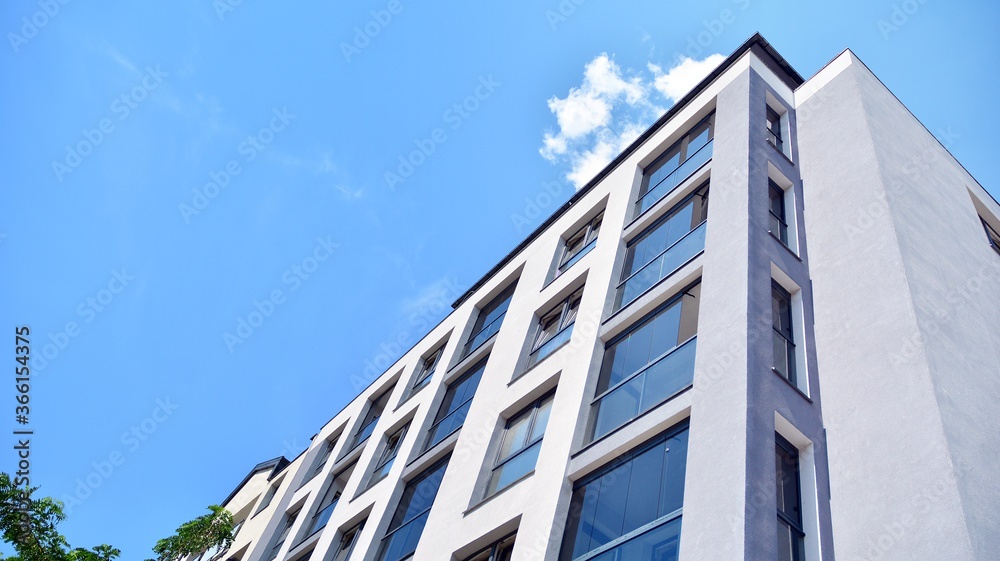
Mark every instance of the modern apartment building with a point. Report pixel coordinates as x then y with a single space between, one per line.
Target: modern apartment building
766 331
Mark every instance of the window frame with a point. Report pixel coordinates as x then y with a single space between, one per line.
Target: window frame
991 235
357 528
590 231
499 462
773 126
321 460
441 464
796 526
368 422
494 547
680 148
791 357
272 490
281 537
383 460
479 327
703 191
563 309
478 369
782 220
425 372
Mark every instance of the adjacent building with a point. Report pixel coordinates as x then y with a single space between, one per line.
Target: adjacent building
766 331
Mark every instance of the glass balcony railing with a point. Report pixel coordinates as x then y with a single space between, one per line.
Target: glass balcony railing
551 345
662 266
646 389
675 178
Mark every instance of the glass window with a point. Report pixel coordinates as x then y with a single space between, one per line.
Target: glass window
375 409
384 463
321 460
282 535
519 445
676 164
454 408
781 322
992 235
427 367
580 243
266 501
647 365
664 247
555 327
489 320
791 538
774 130
611 512
347 541
411 514
779 224
500 551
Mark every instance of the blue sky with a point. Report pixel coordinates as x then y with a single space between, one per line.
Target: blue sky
170 170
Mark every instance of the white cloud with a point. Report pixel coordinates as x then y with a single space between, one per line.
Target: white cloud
609 109
682 77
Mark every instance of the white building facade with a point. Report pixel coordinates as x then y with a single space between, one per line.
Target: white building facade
766 331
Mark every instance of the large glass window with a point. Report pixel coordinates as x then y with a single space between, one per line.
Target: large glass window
393 442
779 223
648 364
519 445
375 409
327 503
791 538
774 130
489 320
631 509
555 327
664 247
268 495
347 540
281 536
454 408
411 514
992 235
580 243
781 322
321 460
676 164
500 551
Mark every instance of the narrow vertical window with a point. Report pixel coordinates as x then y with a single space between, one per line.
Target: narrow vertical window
321 460
411 514
774 130
266 501
991 235
779 222
784 342
791 538
555 328
519 445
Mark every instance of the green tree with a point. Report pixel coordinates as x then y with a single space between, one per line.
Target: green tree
30 525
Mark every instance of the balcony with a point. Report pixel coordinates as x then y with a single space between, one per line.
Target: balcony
662 266
674 178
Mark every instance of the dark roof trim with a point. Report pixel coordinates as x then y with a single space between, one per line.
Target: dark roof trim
276 465
773 60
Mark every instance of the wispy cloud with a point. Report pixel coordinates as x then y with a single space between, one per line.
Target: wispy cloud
320 165
610 108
